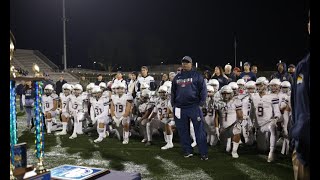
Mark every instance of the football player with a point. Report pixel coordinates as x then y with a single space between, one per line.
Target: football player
76 107
64 107
163 109
267 114
208 114
145 110
285 109
99 112
49 105
120 109
228 116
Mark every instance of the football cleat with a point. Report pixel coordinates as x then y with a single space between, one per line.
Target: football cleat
167 146
234 154
144 140
270 157
187 155
125 142
99 139
149 143
204 157
73 136
61 133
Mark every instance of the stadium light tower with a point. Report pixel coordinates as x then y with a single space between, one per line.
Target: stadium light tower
64 35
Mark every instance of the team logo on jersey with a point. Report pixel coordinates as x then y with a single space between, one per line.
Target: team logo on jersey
300 78
184 82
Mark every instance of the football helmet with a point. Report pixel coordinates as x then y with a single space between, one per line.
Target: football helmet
48 90
261 84
214 83
163 91
103 86
77 89
226 93
275 85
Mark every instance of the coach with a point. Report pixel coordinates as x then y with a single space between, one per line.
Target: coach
188 93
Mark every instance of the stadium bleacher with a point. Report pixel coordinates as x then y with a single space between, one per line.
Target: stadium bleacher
26 58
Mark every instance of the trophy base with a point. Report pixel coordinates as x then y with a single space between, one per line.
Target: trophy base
43 176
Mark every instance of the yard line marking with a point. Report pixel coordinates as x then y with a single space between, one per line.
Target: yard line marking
175 172
253 173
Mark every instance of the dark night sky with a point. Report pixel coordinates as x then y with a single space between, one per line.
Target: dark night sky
266 30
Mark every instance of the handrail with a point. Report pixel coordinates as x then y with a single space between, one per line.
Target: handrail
46 60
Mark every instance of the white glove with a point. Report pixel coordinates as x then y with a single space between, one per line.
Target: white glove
218 133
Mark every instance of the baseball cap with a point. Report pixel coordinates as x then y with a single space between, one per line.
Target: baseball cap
236 69
186 59
246 64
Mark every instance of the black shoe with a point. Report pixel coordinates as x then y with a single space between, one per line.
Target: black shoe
149 143
204 157
187 155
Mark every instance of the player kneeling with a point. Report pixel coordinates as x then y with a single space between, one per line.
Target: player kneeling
120 109
77 110
49 105
64 104
163 109
99 112
227 114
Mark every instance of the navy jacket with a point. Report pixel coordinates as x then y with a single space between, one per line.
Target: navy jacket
284 76
300 102
188 89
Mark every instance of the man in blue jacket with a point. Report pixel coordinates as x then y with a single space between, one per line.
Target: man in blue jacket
300 130
188 93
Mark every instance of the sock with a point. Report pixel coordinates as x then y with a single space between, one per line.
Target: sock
228 144
64 126
79 128
100 132
272 138
148 129
75 126
285 122
49 127
126 135
235 147
165 136
212 139
169 138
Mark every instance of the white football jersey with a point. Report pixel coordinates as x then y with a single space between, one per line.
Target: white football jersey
146 80
210 110
162 107
284 100
266 107
100 106
246 104
77 103
227 113
47 101
64 102
120 103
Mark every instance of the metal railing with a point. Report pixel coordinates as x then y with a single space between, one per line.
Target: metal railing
53 66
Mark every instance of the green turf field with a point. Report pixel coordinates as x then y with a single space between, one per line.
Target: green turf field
152 162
